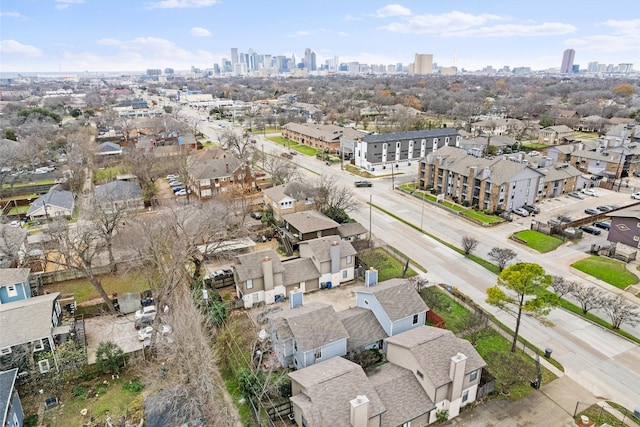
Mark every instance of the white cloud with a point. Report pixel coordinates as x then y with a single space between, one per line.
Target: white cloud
513 30
12 47
392 10
200 32
303 33
350 17
436 24
625 37
11 14
181 4
63 4
342 34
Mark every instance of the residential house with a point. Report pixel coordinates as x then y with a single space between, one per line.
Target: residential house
497 126
322 137
258 277
478 146
387 150
57 202
11 412
107 149
554 135
306 335
31 329
593 123
336 393
289 198
599 163
625 226
119 195
352 231
333 258
364 330
208 177
307 225
447 367
563 117
395 304
559 179
499 183
14 284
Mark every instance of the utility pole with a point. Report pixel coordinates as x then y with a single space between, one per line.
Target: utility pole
370 205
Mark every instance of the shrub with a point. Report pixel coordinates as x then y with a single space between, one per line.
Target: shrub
133 386
109 357
77 390
31 420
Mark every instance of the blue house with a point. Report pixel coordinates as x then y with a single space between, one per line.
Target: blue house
11 412
306 335
395 303
14 284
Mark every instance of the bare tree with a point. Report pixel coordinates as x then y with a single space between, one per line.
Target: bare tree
620 311
561 286
469 244
333 199
589 297
108 217
240 145
280 170
502 256
79 248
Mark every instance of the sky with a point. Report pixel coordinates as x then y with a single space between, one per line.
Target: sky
134 35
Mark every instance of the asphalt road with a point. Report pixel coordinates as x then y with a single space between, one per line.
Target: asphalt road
600 361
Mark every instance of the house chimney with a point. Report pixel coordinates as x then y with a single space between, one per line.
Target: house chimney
267 273
334 255
486 173
370 277
456 373
359 411
295 298
227 167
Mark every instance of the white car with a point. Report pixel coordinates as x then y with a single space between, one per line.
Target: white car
145 333
182 192
590 192
15 223
172 177
636 196
175 183
521 211
148 312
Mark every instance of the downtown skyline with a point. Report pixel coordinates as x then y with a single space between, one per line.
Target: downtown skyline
96 35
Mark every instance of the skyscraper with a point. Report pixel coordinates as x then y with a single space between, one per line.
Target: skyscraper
234 56
567 61
422 64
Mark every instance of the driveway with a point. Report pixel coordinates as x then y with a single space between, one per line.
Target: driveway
119 329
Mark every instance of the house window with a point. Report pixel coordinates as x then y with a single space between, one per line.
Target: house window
465 396
39 346
349 259
12 291
420 374
345 274
44 366
249 283
318 353
473 376
415 319
5 351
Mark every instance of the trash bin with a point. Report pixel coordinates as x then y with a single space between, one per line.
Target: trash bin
547 352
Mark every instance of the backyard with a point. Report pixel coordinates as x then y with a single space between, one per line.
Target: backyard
84 292
538 241
387 265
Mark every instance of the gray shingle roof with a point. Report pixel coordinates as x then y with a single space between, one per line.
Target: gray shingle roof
401 393
312 325
109 148
118 190
294 189
26 320
310 221
433 349
214 168
398 298
7 381
249 266
59 198
328 133
413 134
330 386
351 229
299 270
610 157
11 276
321 247
362 326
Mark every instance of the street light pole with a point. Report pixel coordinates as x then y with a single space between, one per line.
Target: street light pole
422 211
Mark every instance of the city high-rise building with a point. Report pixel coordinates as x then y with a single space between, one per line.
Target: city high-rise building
234 56
309 59
567 61
422 64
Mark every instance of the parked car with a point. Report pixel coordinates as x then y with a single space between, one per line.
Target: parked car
145 333
182 192
220 274
576 194
176 189
590 229
143 322
255 215
146 312
15 223
175 183
603 225
605 208
293 153
591 211
286 155
172 177
636 195
533 209
521 211
590 192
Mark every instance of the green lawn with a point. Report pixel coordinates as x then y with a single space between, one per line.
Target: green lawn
281 140
28 184
388 267
608 270
445 307
117 283
482 217
539 241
